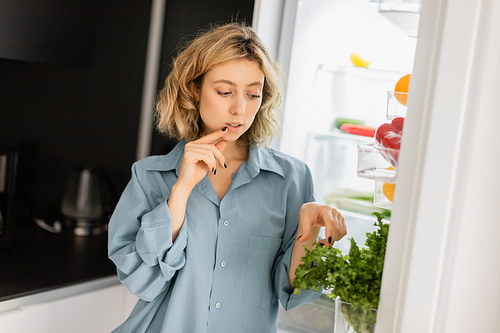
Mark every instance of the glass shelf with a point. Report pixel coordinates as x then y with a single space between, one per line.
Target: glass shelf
405 14
333 135
407 6
364 72
367 218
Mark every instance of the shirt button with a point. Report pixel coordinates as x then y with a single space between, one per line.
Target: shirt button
226 223
217 305
223 264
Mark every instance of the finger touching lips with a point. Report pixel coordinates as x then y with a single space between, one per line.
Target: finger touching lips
213 137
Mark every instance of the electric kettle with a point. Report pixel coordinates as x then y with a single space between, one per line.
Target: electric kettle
85 205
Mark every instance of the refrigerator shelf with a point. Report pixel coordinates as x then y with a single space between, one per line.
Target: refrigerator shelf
367 218
405 14
363 72
333 135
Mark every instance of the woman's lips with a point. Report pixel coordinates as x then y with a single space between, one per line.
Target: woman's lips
233 129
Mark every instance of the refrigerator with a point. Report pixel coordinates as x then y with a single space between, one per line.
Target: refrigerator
445 228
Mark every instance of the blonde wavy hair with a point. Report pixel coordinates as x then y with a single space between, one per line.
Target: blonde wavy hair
177 114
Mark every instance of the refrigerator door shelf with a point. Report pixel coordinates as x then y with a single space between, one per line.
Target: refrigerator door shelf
377 163
405 14
384 194
394 107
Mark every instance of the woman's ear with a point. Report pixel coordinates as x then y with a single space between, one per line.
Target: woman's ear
195 90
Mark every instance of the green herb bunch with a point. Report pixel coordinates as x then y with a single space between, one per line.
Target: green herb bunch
355 277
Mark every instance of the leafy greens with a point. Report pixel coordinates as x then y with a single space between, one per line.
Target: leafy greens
355 277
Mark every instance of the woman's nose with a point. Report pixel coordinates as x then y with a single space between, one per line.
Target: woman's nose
239 105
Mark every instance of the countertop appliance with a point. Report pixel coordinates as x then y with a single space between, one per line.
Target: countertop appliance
85 205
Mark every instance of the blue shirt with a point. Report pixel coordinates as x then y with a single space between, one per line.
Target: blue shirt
229 265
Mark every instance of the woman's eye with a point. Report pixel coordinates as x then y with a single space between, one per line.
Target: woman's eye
254 96
224 93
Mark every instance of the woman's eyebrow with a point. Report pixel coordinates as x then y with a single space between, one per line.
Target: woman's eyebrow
257 83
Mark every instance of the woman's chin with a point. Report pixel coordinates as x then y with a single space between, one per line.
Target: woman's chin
231 138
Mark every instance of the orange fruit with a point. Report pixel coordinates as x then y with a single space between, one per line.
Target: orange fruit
402 88
388 191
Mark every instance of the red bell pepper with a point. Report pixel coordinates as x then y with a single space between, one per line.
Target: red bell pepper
389 136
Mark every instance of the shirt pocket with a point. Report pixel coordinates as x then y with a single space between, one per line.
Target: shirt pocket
259 284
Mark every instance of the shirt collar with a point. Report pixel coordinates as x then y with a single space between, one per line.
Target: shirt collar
259 158
171 161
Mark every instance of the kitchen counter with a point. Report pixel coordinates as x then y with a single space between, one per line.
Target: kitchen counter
39 261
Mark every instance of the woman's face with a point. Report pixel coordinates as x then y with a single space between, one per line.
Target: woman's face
230 95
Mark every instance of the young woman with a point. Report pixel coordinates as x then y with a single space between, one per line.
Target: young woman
209 235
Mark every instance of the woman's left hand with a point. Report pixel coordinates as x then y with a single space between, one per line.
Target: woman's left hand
313 216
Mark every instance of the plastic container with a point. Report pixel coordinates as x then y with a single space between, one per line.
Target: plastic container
314 317
349 320
377 163
394 107
384 194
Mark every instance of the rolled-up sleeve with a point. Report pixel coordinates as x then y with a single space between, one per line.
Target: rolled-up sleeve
300 193
140 241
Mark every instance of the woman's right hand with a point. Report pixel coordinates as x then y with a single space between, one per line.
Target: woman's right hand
200 157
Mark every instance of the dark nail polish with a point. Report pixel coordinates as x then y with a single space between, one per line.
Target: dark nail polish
215 172
224 129
321 244
299 237
225 165
330 240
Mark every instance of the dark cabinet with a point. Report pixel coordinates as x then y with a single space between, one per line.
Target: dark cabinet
61 114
